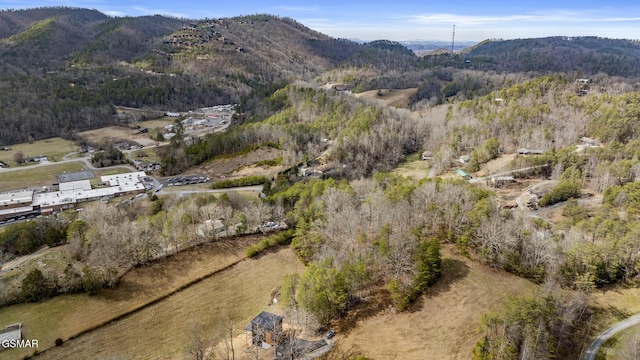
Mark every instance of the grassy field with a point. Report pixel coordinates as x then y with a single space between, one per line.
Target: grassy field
54 148
413 166
67 315
149 155
163 330
443 324
37 176
157 123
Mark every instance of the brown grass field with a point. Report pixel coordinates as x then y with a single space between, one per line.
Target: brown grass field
37 176
67 315
241 165
444 323
54 148
390 97
110 133
163 330
157 123
414 167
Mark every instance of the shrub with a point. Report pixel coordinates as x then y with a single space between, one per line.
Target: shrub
59 342
35 287
565 189
245 181
283 238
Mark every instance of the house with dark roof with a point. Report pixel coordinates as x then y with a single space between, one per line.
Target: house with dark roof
265 329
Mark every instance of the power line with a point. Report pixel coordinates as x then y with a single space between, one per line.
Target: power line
453 39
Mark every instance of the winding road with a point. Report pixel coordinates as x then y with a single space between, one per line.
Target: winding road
592 350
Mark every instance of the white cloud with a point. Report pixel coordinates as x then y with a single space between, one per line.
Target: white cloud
113 13
313 8
146 11
548 16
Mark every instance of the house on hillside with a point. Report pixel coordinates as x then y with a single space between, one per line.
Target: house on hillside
463 174
265 329
525 151
500 181
210 228
36 159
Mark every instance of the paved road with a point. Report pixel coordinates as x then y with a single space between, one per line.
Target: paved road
592 350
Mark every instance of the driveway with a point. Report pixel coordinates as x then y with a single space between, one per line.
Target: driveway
592 350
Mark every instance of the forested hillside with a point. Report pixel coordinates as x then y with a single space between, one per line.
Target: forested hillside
65 68
588 55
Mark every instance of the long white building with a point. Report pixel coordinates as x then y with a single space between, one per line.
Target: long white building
70 194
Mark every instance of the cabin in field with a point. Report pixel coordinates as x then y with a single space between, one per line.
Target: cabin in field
265 329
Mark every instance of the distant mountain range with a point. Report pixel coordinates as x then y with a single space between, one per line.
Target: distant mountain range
426 45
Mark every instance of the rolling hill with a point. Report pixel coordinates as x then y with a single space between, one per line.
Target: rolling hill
589 55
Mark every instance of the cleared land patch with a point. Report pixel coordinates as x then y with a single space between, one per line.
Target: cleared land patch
67 315
414 167
226 167
55 148
37 176
163 330
443 324
110 133
390 97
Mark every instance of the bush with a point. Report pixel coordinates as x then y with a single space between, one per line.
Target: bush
59 342
35 287
565 189
283 238
245 181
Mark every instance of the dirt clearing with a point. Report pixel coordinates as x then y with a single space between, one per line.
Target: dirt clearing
243 165
443 324
498 165
390 97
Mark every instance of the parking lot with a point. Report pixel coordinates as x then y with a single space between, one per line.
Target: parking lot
186 180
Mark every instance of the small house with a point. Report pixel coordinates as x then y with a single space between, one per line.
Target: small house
427 155
463 174
210 228
499 181
265 329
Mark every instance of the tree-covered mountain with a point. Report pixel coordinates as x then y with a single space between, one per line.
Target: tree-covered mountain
63 69
589 55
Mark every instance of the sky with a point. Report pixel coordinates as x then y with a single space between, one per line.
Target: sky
400 20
